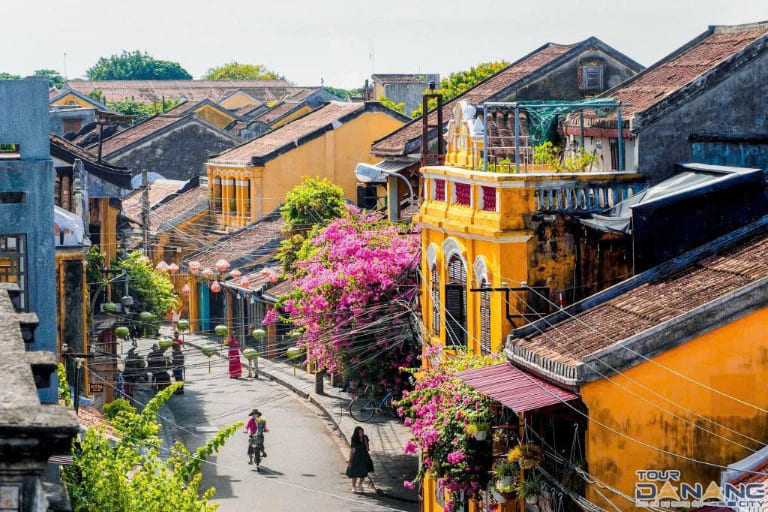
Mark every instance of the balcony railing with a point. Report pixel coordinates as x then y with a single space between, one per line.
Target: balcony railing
585 197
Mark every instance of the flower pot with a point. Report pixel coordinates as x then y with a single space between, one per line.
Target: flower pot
506 480
481 435
499 497
532 500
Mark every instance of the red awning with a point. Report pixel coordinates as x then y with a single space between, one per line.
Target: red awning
514 388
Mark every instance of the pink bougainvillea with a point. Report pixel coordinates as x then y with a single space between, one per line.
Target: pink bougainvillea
354 299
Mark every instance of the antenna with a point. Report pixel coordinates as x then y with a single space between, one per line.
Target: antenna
373 59
65 65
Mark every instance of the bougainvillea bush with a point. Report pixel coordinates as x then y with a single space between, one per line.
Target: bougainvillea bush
439 412
355 294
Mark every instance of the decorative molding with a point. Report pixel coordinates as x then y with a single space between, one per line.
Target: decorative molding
431 255
480 267
452 248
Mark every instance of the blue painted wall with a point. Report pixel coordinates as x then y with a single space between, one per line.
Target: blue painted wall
24 120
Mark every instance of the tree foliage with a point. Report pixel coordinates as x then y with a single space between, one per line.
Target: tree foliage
237 71
127 474
151 289
344 93
54 77
398 107
9 76
461 81
136 66
314 202
139 109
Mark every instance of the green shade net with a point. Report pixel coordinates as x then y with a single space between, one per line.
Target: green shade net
542 121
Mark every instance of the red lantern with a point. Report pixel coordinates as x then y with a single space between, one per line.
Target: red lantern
245 282
194 266
173 268
207 273
186 290
215 287
162 266
222 265
271 274
235 274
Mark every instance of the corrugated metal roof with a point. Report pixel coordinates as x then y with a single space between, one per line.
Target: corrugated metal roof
514 388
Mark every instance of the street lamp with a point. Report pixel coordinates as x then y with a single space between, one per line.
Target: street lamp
366 173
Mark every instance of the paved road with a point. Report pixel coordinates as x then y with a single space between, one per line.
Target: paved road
304 467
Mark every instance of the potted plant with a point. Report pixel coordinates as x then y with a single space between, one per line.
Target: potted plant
501 493
527 455
530 490
505 472
479 430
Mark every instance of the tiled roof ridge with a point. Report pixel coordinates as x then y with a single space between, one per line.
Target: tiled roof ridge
84 154
741 27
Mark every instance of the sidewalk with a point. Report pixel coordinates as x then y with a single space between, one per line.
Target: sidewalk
388 436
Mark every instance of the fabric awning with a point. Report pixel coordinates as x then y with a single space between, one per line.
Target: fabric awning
514 388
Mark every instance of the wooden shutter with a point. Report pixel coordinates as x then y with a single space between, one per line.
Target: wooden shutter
592 78
485 319
435 301
456 303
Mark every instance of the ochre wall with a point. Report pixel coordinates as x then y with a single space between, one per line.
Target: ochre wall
732 359
214 116
68 99
238 100
290 117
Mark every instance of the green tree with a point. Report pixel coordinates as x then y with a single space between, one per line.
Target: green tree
136 66
8 76
398 107
126 473
151 289
237 71
54 77
461 81
344 93
313 203
139 109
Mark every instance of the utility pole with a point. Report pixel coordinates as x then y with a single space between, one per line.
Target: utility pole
145 210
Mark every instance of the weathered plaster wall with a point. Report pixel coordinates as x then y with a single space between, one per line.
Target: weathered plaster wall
24 120
408 93
178 154
732 359
735 106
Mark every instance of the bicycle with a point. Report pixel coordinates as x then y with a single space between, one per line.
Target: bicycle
362 408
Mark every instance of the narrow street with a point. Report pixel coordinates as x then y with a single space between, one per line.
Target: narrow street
304 467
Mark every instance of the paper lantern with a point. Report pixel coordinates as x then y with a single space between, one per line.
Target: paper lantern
221 330
194 267
146 316
259 334
271 274
215 287
250 353
173 268
294 352
245 282
162 266
182 325
165 343
122 332
235 274
208 350
222 265
109 307
207 273
186 290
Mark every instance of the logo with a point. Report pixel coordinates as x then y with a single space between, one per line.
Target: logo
665 489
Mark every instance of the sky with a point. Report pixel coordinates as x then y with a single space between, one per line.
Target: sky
342 42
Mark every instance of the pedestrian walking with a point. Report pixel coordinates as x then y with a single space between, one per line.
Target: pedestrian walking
255 428
177 359
158 364
235 366
360 462
134 370
177 339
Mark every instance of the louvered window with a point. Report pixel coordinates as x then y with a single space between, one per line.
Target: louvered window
489 199
456 304
439 190
592 78
435 302
463 194
485 319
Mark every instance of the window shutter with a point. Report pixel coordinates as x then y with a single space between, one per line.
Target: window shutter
456 303
485 319
435 302
592 78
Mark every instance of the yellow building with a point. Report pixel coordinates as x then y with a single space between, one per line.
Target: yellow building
72 98
239 99
251 180
207 110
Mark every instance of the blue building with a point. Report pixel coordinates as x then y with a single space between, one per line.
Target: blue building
26 209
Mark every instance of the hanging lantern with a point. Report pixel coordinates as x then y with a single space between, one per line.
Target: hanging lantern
222 265
208 350
194 267
270 274
215 287
122 332
186 290
173 268
259 334
162 266
235 274
245 282
207 273
182 325
221 330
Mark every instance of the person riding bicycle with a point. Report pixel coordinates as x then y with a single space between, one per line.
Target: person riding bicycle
255 428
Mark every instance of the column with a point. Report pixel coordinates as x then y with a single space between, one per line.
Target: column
233 195
225 201
241 191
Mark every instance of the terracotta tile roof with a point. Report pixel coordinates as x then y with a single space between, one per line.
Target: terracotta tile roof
253 244
277 112
290 133
135 133
752 478
684 65
281 289
91 417
395 143
147 91
256 279
247 110
571 341
158 191
302 94
178 208
68 152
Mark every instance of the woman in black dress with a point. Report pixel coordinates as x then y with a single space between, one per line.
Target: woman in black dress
360 463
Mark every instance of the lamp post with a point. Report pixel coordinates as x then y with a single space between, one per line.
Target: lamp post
366 173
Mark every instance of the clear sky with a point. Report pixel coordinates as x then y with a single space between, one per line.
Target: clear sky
344 41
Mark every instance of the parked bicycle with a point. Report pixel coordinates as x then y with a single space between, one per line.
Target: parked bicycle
362 408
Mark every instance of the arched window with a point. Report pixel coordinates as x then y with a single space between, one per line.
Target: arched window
456 303
485 318
435 278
